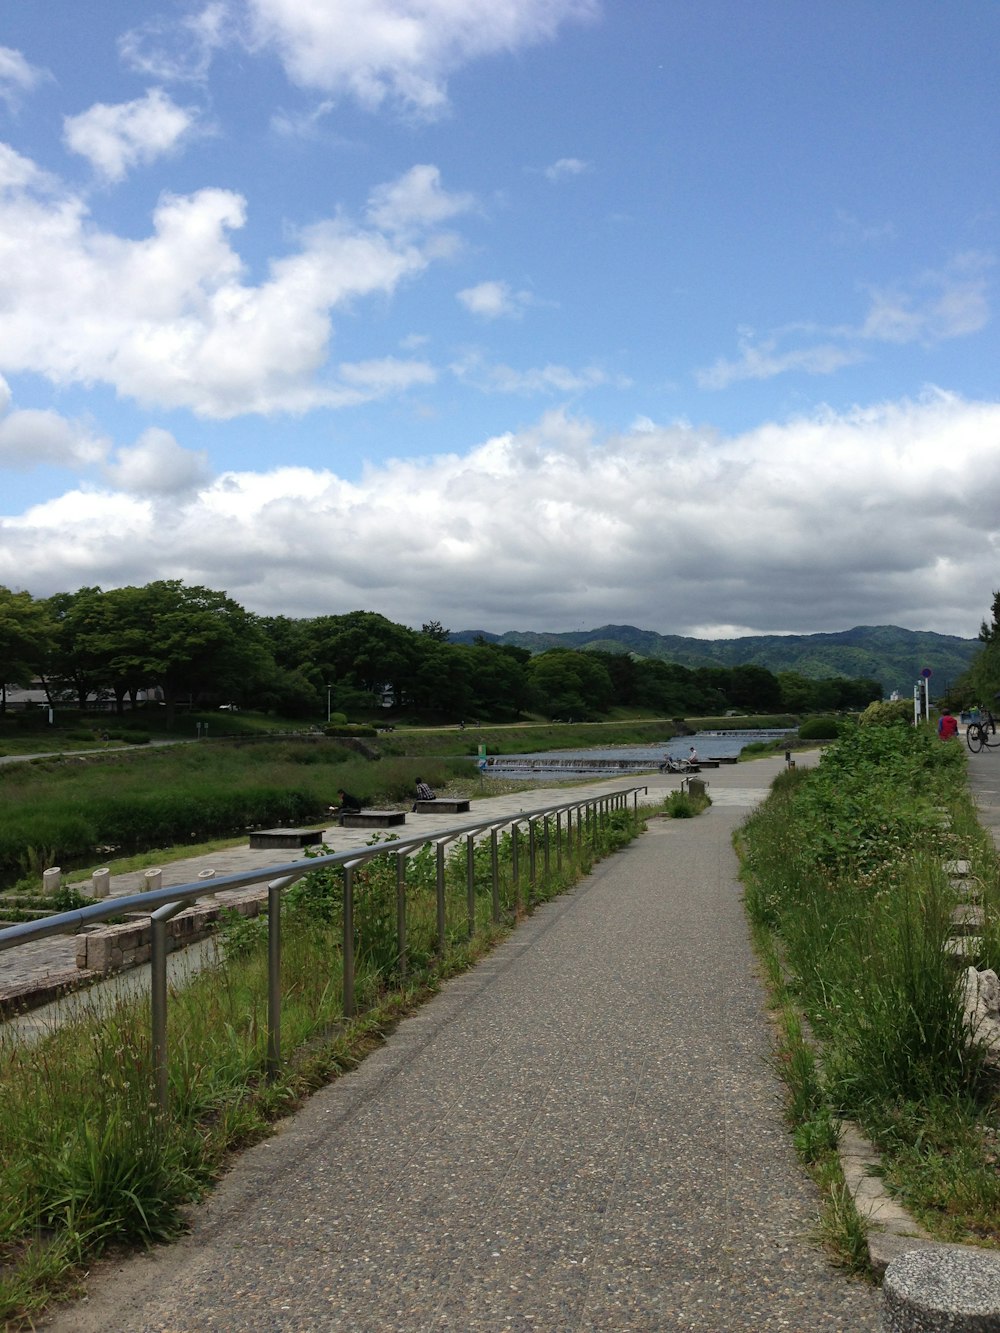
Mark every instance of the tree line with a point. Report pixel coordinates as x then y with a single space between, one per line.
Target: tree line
195 645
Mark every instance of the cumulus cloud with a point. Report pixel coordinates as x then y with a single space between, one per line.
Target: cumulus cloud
938 304
170 319
415 200
399 50
157 465
565 169
493 300
17 76
114 139
885 514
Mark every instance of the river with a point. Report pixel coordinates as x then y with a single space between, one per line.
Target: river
599 759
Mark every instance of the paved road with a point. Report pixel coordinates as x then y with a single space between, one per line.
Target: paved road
581 1133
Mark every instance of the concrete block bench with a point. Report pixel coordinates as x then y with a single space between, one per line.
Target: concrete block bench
946 1288
442 805
286 837
372 818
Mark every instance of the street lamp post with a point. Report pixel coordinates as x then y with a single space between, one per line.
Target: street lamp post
328 689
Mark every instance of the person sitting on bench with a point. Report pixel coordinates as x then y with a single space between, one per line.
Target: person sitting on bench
349 805
424 792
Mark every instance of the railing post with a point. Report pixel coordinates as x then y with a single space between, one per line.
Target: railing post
558 840
273 978
440 898
158 1010
531 860
495 875
515 867
545 844
349 939
470 882
158 1000
401 862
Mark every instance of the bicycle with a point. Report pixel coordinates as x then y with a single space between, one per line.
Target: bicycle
978 734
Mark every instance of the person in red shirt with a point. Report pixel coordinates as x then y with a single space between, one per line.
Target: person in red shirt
947 726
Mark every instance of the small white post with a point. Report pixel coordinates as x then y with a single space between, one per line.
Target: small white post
101 883
51 879
207 874
153 878
916 704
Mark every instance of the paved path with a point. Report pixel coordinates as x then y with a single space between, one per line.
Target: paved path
984 779
581 1133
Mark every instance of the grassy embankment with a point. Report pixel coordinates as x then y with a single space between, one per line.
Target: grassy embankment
89 1163
850 905
166 801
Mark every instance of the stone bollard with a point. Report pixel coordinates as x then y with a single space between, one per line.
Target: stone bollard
207 874
153 878
942 1289
51 879
100 883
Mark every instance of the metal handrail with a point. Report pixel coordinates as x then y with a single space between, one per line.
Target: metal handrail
165 903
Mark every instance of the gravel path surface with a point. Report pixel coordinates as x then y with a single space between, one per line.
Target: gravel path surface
581 1133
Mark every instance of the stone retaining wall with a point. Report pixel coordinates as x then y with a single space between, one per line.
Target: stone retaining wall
106 949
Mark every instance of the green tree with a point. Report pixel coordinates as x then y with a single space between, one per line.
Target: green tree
27 636
73 663
570 684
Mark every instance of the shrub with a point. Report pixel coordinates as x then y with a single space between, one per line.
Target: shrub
348 729
889 713
819 729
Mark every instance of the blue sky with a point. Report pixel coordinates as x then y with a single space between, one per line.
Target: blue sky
537 314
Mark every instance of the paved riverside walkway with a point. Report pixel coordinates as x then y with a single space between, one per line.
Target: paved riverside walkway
580 1133
984 780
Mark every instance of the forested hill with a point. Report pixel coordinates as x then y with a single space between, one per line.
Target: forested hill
885 653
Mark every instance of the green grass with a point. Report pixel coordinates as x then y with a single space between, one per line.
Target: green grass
850 906
71 811
88 1160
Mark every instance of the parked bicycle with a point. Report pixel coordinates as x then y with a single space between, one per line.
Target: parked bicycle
982 733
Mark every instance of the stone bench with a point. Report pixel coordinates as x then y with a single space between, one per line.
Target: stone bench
949 1288
442 805
286 837
372 818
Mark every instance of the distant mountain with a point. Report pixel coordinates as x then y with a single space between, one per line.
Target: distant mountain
885 653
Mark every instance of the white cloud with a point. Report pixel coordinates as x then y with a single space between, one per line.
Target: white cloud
400 50
935 306
498 378
566 168
763 360
885 514
32 437
181 49
171 320
415 200
493 300
17 76
115 138
157 465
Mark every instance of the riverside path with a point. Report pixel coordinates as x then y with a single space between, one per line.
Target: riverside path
581 1133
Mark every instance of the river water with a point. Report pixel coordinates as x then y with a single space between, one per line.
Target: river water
709 745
